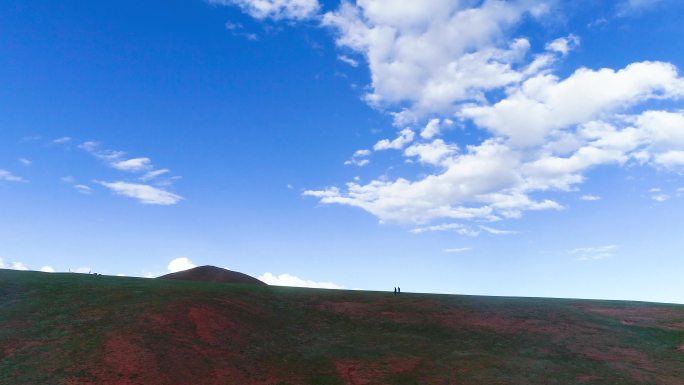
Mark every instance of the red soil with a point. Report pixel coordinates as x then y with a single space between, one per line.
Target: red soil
643 316
16 347
186 344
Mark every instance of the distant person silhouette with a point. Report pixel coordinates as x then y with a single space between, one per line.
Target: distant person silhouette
395 290
398 290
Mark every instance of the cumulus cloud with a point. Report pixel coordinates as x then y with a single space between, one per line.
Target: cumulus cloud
563 45
359 158
9 177
12 265
145 194
433 53
434 127
436 60
180 264
405 137
47 269
275 9
291 280
544 104
545 131
593 253
435 153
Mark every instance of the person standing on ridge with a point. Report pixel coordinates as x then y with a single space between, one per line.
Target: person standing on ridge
398 290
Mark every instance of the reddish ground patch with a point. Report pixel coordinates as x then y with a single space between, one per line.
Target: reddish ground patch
16 347
355 372
681 348
643 316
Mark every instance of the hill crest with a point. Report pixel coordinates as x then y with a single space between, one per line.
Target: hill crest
215 274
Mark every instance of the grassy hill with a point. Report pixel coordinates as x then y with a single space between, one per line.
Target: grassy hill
85 329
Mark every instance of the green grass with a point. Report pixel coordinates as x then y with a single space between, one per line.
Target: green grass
60 328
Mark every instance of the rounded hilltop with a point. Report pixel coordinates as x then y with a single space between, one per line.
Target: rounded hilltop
212 274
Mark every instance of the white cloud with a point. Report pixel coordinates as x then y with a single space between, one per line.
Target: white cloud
359 158
457 250
346 59
494 231
630 7
435 153
25 162
291 280
180 264
563 45
660 197
275 9
593 253
153 174
544 104
435 59
47 269
455 227
83 189
81 270
405 137
434 127
433 53
133 165
590 197
62 140
12 265
9 177
143 193
237 29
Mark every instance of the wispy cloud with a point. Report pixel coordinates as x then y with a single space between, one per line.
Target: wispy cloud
590 198
133 164
9 177
455 227
594 253
62 140
494 231
83 189
346 59
236 29
457 250
145 194
25 162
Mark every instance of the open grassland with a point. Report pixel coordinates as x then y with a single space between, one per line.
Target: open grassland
85 329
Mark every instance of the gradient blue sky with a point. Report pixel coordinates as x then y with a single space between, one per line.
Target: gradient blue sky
216 132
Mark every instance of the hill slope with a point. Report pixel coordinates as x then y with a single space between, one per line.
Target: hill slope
212 274
83 329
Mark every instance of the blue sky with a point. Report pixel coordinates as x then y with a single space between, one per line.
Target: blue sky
527 148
